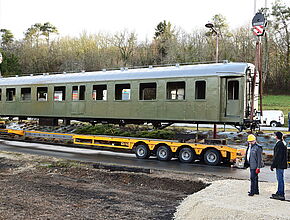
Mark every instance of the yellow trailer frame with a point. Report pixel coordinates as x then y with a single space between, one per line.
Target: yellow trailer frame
129 143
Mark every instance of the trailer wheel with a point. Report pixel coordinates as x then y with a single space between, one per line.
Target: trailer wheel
186 155
142 151
212 157
164 153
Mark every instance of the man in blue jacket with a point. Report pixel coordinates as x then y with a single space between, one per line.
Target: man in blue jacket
254 161
280 163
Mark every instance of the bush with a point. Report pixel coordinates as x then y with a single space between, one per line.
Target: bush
133 131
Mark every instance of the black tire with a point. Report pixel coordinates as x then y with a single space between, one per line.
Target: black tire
273 124
186 155
212 157
164 153
142 151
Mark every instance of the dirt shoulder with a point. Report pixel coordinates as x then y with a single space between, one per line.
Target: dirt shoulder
39 187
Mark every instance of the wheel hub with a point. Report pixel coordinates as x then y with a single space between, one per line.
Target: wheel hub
185 156
163 153
211 158
141 152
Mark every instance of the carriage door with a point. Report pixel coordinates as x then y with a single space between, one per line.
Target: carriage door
78 103
233 96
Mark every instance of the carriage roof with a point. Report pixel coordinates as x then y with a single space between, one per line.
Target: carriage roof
218 69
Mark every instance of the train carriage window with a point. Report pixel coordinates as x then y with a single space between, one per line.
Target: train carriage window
25 94
10 94
147 91
200 89
122 92
99 92
42 93
233 90
75 93
176 90
78 93
82 92
59 93
0 94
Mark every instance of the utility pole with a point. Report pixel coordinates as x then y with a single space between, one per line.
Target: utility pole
259 23
255 5
217 48
211 26
266 43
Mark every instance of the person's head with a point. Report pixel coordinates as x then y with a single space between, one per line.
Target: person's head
279 135
251 139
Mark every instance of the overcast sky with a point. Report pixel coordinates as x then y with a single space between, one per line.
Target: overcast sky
72 17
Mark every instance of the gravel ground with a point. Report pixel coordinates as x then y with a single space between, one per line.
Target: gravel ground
228 199
39 187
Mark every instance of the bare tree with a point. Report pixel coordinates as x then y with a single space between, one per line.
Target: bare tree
126 44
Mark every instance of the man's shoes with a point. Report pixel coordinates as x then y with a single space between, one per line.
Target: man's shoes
279 197
256 193
251 194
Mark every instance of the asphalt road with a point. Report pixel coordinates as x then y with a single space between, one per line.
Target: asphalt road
126 159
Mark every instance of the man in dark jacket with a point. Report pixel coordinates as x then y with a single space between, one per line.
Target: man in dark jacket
253 160
280 163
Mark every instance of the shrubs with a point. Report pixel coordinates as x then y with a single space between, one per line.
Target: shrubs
128 131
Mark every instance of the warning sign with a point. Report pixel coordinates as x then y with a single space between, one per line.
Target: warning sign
259 23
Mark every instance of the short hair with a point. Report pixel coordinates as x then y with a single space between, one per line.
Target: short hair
279 135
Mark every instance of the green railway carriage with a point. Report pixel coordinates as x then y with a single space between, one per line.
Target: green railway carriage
204 93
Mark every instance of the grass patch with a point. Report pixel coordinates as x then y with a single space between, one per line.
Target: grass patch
11 153
60 164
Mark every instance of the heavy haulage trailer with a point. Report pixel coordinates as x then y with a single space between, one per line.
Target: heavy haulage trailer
164 150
